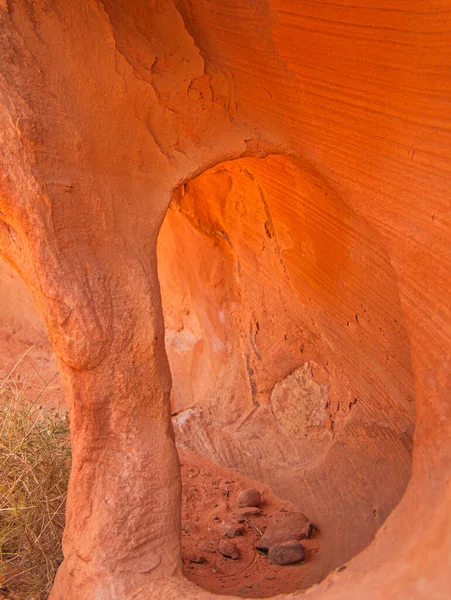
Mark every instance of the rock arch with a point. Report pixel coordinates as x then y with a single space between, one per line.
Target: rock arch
105 108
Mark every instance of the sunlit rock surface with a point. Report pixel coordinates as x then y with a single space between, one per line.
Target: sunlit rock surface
303 150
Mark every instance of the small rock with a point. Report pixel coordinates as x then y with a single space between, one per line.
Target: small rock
284 527
197 558
287 553
209 549
228 549
233 530
246 511
250 497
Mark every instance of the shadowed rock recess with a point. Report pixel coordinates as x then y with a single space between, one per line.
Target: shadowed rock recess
237 213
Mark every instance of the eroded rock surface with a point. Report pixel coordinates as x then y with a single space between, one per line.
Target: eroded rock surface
306 254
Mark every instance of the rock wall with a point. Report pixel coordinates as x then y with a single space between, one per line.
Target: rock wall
107 107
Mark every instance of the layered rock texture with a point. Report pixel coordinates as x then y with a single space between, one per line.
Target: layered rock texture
300 152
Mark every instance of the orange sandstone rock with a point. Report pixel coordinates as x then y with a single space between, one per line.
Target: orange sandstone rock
304 262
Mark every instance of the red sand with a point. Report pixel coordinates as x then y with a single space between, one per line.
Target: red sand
210 495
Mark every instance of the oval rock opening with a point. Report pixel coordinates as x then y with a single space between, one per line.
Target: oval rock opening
291 374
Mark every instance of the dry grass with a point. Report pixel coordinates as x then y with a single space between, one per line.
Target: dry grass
34 472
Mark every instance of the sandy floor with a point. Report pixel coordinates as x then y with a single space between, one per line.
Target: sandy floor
210 495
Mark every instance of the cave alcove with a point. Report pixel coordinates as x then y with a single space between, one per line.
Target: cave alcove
287 345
